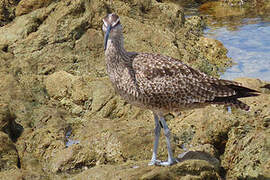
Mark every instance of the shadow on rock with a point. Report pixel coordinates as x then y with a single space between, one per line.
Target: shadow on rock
10 126
199 155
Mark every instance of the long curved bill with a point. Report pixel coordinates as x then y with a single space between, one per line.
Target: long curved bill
107 37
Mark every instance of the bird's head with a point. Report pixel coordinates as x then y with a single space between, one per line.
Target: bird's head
111 27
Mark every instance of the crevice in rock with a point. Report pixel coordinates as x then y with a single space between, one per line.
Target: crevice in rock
222 172
37 22
220 146
5 48
80 30
175 43
220 143
13 129
18 160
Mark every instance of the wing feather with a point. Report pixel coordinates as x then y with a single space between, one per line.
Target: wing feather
166 80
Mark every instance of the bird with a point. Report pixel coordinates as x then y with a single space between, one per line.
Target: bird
163 84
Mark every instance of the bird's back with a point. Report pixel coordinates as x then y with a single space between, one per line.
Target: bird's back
168 84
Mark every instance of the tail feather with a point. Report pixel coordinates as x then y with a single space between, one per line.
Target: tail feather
240 92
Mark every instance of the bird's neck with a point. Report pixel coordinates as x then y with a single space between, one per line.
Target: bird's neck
115 51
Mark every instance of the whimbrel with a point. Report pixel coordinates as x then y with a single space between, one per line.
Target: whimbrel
162 84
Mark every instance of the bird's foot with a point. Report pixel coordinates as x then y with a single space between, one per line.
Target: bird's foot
154 162
163 163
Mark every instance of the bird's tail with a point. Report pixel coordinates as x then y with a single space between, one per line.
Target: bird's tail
240 92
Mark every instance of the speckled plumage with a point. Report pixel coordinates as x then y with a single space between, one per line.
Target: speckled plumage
161 83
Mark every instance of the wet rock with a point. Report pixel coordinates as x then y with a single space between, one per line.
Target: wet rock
219 9
230 13
214 50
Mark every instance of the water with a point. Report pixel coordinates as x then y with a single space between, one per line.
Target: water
244 31
70 142
249 47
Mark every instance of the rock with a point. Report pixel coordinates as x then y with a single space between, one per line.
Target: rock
252 83
72 159
39 143
9 89
59 90
26 6
247 152
190 169
10 96
239 138
9 158
7 8
5 115
21 174
231 12
217 9
55 86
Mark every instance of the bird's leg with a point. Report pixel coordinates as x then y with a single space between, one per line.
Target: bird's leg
171 160
157 135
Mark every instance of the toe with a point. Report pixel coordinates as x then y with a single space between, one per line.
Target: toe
169 162
154 162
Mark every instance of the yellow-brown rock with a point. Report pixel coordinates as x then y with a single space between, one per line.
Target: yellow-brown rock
26 6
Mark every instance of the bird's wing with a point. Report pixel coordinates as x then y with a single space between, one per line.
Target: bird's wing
168 79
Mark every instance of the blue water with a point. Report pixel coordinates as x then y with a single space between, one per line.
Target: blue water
248 46
70 142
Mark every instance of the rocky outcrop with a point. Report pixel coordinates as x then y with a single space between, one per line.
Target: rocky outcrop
60 117
238 139
230 13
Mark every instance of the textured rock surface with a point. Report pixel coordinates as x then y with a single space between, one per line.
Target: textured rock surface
247 152
190 169
239 139
230 13
60 117
8 153
7 8
26 6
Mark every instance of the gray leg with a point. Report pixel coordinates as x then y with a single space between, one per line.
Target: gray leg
157 135
171 160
